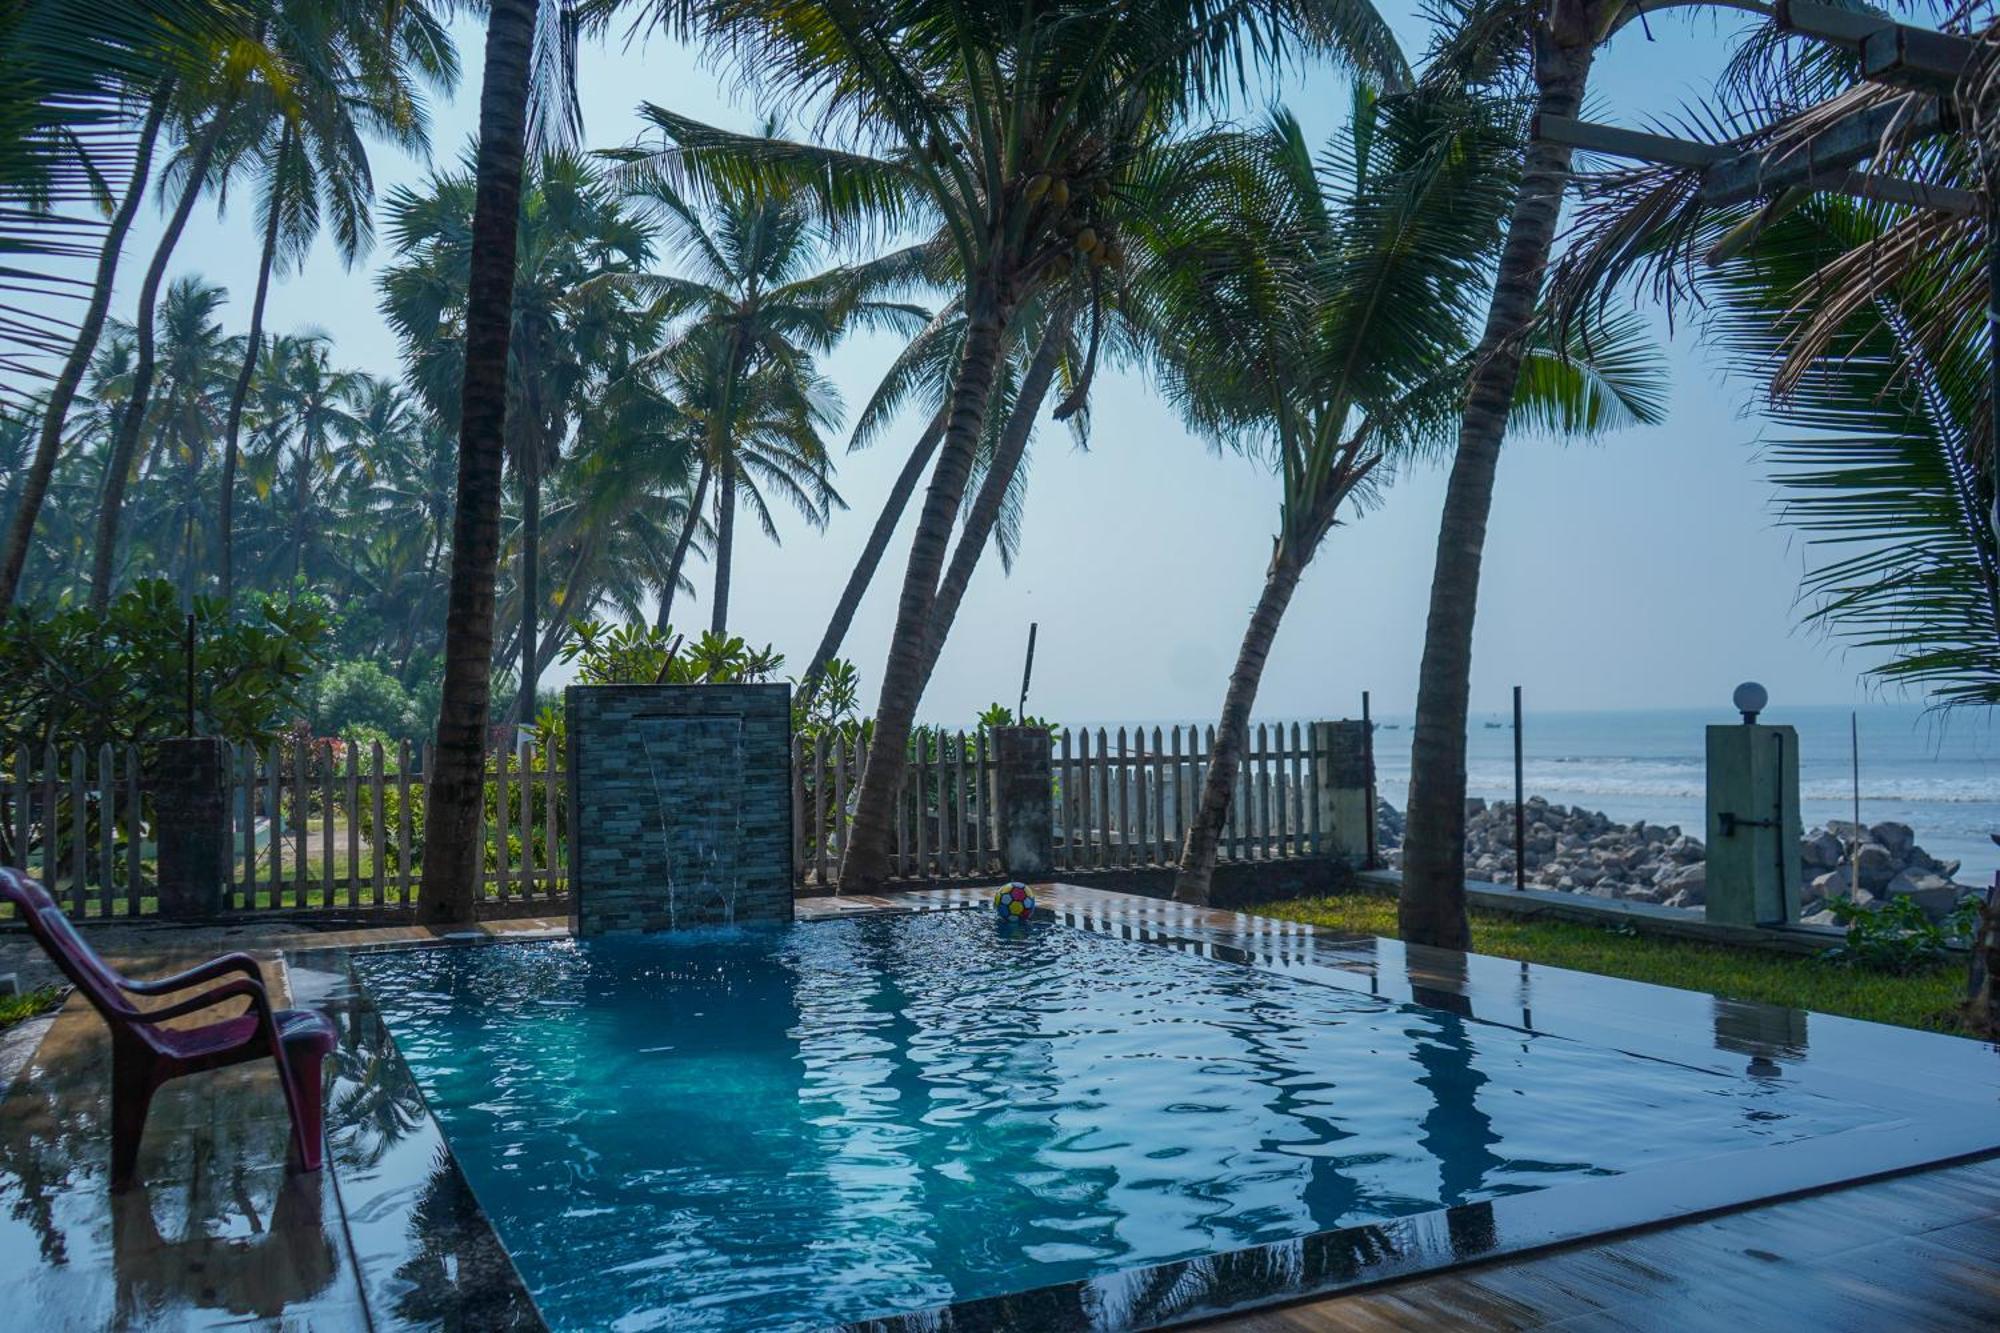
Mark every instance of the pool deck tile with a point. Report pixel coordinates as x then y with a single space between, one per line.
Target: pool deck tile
391 1238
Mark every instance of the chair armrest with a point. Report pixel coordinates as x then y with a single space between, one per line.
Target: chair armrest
208 971
241 988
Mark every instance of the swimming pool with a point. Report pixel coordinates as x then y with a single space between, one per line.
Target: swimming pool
851 1119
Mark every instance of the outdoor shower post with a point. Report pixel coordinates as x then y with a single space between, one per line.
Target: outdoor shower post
1754 870
1024 802
191 826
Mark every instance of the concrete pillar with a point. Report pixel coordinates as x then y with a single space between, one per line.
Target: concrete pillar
191 826
1346 779
1024 801
1753 825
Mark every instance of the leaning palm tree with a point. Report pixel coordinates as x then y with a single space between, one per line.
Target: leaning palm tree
1005 131
1345 288
1548 46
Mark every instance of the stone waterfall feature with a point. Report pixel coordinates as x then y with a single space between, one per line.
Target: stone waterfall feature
680 806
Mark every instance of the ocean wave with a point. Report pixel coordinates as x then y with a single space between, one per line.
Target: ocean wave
1692 785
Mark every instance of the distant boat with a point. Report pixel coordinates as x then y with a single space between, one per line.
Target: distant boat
1495 726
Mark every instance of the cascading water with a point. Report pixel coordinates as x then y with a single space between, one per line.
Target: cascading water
700 823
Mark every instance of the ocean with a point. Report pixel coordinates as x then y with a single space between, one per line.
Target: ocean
1939 774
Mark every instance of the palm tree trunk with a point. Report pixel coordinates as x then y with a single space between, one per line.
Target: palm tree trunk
302 505
686 539
866 864
725 540
35 482
1232 731
112 506
240 392
456 791
531 564
1007 454
1432 905
871 554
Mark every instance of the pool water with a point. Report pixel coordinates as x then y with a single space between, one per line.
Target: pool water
839 1119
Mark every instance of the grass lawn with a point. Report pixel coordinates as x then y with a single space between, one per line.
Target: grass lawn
1927 999
19 1008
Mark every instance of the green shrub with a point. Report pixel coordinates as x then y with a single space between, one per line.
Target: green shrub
73 675
357 694
1898 937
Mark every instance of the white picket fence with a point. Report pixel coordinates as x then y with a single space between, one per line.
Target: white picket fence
339 828
319 827
1123 799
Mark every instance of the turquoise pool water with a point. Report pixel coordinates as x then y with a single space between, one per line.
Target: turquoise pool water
849 1118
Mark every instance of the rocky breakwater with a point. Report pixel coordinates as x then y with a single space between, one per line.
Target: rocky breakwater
1576 850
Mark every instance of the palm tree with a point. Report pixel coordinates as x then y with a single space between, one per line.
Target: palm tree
761 422
455 793
1345 288
571 322
203 136
72 75
995 132
1563 36
186 415
26 502
753 310
350 70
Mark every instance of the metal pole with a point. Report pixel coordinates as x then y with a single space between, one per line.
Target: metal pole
1368 754
1520 809
1027 673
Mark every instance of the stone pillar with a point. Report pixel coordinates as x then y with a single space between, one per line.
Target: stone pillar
1024 801
191 826
1345 773
680 806
1753 867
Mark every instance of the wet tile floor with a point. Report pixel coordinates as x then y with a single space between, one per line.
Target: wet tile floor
221 1236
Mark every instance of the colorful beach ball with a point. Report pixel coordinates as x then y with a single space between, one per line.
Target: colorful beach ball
1014 903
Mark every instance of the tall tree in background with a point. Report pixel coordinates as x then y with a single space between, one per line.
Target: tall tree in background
571 325
748 315
350 68
993 127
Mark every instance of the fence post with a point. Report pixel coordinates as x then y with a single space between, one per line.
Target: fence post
1345 778
191 823
1023 801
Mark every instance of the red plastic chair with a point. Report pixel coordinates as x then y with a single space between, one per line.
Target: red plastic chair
144 1055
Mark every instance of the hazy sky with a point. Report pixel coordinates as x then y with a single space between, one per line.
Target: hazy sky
1644 571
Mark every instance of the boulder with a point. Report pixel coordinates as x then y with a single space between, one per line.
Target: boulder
1832 884
1820 850
1874 867
1936 896
1897 838
1475 806
1847 831
1684 879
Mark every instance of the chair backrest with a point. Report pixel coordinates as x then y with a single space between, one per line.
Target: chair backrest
67 949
